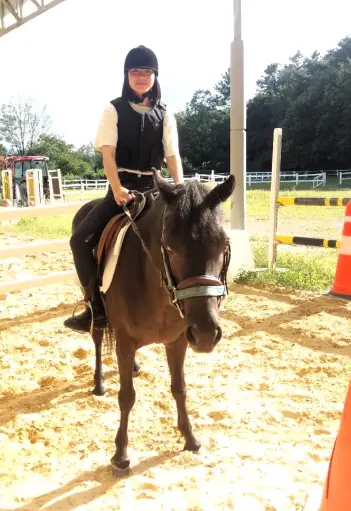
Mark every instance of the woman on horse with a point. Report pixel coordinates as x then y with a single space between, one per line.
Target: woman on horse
136 133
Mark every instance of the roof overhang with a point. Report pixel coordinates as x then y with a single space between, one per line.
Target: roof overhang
14 13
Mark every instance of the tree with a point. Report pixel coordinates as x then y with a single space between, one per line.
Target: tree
91 156
222 89
3 150
309 99
204 131
64 156
21 124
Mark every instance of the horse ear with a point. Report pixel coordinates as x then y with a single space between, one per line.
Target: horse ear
168 191
220 193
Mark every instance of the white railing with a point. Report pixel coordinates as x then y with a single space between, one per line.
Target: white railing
319 180
37 247
316 178
210 178
344 175
83 185
87 184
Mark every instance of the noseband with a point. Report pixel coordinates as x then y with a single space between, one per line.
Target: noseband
201 285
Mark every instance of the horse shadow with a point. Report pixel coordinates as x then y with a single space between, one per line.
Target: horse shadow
103 475
39 400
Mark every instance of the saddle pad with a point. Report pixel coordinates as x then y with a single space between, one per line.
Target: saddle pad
111 243
112 259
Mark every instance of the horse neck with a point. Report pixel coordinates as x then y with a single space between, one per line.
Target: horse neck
150 226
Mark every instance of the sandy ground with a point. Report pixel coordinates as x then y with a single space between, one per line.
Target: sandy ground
266 406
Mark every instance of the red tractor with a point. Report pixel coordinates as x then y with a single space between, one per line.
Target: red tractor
19 165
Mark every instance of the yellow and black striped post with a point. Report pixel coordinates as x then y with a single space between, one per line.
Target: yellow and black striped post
275 239
310 242
313 201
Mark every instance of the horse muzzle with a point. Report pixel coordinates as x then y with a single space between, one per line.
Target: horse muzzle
203 341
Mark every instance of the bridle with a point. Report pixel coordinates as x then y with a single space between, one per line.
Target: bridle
201 285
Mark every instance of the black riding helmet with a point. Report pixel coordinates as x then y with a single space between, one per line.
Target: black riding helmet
141 57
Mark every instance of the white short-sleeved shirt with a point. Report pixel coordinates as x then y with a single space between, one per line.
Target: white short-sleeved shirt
107 133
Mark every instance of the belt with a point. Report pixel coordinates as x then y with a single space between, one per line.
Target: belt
138 172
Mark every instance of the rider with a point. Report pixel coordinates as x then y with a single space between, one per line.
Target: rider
136 133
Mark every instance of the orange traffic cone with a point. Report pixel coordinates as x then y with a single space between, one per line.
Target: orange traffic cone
337 494
342 281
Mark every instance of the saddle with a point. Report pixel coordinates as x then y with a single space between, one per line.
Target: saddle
114 227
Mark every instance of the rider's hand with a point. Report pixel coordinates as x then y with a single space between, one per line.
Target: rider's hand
122 195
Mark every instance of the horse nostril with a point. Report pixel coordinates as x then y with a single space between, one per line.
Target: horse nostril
190 336
218 335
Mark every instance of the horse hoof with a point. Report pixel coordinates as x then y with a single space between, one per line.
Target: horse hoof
121 467
120 472
193 445
136 369
99 391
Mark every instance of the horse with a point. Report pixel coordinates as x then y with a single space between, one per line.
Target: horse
167 287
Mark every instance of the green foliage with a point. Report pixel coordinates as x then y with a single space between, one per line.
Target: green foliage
3 150
73 163
165 172
222 89
45 227
204 131
308 98
305 270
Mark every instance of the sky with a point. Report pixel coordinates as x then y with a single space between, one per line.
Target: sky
71 58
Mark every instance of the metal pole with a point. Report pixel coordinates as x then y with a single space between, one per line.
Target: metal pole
238 124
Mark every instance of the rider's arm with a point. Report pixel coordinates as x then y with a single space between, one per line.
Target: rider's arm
171 149
110 166
174 165
106 142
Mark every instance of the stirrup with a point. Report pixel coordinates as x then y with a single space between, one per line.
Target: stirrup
87 303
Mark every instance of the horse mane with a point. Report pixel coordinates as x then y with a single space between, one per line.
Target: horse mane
191 209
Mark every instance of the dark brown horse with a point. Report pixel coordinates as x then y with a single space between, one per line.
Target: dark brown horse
166 292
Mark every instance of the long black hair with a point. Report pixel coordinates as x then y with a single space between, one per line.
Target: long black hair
154 94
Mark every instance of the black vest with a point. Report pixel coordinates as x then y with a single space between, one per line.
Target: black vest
139 144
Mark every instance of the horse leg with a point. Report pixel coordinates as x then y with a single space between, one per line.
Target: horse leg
99 389
126 399
175 358
136 368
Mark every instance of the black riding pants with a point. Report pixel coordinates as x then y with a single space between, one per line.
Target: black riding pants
88 233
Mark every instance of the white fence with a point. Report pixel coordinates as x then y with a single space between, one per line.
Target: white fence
82 185
102 184
37 247
344 175
316 178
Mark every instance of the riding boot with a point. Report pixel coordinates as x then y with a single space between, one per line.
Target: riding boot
94 307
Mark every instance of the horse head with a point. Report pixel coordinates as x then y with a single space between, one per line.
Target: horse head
196 255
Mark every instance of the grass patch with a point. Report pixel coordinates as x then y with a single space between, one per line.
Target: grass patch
311 270
49 228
